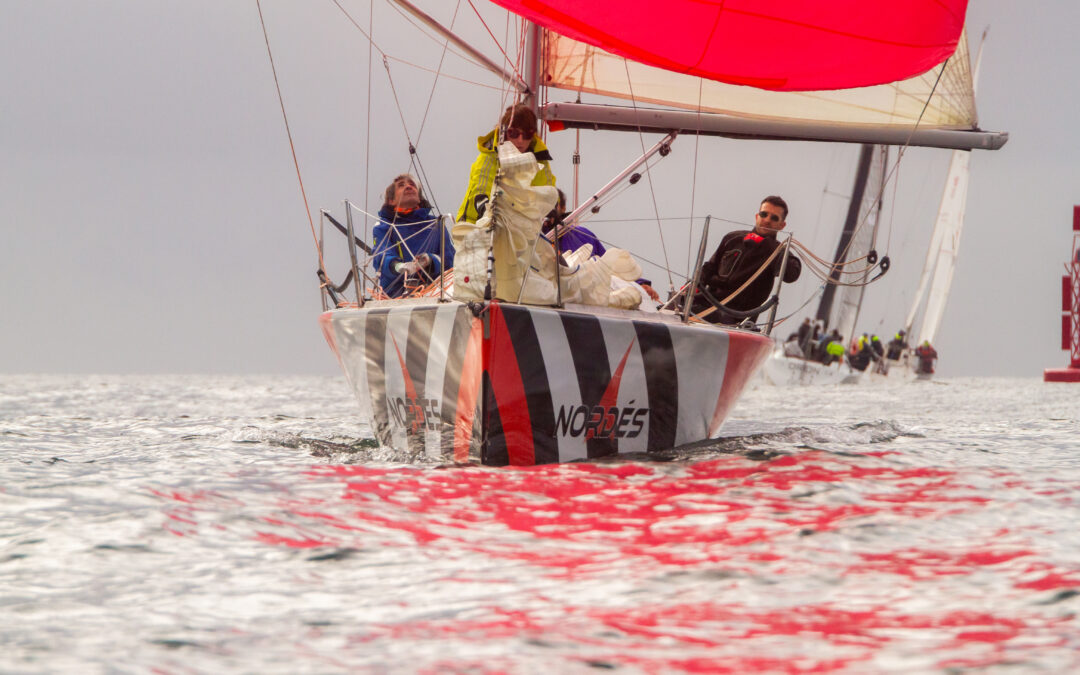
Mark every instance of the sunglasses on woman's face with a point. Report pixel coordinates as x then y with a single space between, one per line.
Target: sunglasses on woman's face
513 133
765 215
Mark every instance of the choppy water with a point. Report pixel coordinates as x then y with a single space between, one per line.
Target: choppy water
199 525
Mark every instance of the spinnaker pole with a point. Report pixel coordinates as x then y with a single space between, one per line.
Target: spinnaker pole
461 44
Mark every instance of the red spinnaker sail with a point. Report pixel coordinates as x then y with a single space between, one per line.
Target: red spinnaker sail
785 45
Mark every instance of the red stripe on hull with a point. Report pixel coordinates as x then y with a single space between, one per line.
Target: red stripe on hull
509 391
328 333
745 354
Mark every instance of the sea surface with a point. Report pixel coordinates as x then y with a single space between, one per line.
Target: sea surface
246 525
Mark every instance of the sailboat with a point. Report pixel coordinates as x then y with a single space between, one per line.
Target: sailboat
928 305
505 373
857 239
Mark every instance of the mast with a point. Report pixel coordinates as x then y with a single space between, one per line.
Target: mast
533 64
851 223
874 214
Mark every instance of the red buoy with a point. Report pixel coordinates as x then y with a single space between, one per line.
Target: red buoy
1070 312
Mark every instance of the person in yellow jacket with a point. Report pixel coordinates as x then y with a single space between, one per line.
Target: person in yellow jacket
518 125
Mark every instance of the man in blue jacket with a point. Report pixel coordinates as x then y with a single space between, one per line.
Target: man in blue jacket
407 239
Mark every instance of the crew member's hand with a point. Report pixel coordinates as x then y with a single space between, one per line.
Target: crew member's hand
407 267
480 202
651 292
423 260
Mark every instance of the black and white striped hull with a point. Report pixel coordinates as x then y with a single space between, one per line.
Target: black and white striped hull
514 384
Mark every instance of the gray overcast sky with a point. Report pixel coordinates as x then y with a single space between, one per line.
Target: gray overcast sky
151 219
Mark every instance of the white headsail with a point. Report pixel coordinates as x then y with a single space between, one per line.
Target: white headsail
944 247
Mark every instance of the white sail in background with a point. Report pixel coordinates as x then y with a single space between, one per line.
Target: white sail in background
579 67
944 243
944 247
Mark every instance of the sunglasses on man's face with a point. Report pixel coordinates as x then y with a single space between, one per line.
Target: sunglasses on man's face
765 215
513 133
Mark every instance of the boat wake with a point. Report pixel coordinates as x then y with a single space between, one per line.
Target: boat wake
760 445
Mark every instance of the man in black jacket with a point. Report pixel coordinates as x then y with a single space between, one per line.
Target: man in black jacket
738 258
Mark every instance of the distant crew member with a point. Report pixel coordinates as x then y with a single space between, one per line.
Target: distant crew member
832 347
804 333
861 353
792 348
880 364
897 345
927 355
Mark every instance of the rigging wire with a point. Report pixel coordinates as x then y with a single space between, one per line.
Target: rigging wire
693 182
892 209
370 39
881 191
899 155
648 176
678 218
288 131
367 133
442 58
414 158
503 51
426 32
368 35
474 83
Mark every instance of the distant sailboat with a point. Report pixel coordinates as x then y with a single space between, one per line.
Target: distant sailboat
932 295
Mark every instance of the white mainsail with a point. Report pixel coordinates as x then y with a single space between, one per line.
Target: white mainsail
580 67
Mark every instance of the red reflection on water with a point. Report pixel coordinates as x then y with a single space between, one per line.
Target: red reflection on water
646 511
714 637
750 529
